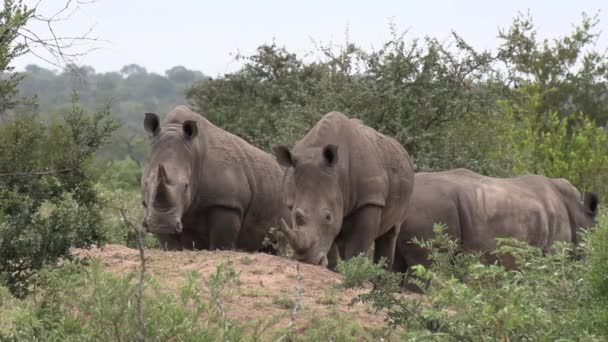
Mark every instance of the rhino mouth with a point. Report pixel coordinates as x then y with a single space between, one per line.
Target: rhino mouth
312 256
171 229
306 249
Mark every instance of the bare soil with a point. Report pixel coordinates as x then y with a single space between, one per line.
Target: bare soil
267 290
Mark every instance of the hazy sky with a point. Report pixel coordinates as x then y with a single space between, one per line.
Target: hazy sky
202 35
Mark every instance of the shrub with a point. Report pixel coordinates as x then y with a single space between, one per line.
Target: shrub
545 298
77 303
598 260
359 270
47 200
571 146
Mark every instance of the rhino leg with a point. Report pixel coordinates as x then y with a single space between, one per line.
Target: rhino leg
409 254
224 225
170 242
385 247
359 231
332 257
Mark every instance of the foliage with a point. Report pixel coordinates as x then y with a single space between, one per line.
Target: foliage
358 270
116 230
598 260
122 174
13 16
571 146
128 93
442 101
545 298
275 241
79 303
43 215
570 74
339 328
403 89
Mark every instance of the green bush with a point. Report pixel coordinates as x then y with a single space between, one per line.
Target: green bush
598 260
571 146
545 298
77 303
47 200
359 270
445 102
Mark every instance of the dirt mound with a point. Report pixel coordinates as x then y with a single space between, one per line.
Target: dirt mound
267 288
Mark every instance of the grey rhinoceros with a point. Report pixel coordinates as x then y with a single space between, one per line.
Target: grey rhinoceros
205 188
478 209
345 185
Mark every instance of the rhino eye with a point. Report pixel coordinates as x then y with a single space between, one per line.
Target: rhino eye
144 204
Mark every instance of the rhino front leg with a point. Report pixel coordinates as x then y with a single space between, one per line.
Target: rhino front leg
224 225
359 231
170 242
385 247
332 257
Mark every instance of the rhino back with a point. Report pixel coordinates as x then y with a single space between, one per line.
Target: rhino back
260 171
434 201
528 208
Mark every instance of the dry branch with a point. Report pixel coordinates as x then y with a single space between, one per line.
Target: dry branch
142 273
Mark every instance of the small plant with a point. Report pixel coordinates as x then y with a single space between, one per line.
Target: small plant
275 242
329 297
359 270
283 300
598 260
246 260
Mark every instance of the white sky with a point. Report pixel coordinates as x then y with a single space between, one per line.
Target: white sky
202 35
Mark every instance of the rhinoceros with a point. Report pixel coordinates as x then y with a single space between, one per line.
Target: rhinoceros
478 209
345 185
205 188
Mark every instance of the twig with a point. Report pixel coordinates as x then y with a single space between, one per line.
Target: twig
296 305
61 50
142 273
40 173
219 304
298 302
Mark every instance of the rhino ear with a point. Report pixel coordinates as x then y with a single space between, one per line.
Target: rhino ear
151 123
591 202
190 129
283 156
330 154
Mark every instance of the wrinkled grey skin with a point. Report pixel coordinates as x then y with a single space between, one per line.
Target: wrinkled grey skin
346 185
478 209
205 188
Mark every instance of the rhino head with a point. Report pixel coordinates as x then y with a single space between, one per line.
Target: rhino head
311 190
167 180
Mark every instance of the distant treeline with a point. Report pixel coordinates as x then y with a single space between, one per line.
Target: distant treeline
129 93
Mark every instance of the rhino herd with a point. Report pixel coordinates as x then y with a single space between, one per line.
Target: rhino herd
340 189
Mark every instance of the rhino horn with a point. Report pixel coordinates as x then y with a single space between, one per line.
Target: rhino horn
295 237
162 174
163 196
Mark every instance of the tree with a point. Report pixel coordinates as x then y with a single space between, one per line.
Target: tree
571 76
132 69
13 17
47 202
